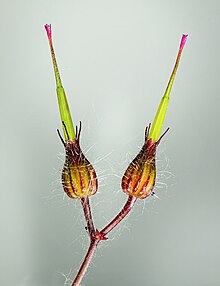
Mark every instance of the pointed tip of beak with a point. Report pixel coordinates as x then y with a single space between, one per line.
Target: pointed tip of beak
183 41
48 30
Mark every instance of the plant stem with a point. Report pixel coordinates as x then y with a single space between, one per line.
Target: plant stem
125 210
85 263
88 217
96 236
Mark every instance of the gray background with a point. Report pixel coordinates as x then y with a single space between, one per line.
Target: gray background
115 59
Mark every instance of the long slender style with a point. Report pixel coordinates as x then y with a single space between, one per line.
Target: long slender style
65 114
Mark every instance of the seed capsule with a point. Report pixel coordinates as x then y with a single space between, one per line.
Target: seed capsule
139 178
78 176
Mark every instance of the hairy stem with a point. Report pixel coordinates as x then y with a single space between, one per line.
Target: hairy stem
125 210
85 263
96 236
88 217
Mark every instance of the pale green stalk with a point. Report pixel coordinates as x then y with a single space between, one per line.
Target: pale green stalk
162 109
65 115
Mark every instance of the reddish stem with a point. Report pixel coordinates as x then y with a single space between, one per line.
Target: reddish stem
125 210
85 263
88 217
96 236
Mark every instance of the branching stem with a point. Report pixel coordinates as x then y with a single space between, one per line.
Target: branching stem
125 210
96 236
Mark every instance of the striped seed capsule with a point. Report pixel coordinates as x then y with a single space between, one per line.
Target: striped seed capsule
79 178
139 178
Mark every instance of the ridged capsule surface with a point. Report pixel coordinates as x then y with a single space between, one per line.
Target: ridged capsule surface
139 178
79 178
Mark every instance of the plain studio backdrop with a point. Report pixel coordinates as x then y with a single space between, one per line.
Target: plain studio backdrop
115 59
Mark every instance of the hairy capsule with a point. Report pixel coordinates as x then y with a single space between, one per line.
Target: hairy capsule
139 178
79 178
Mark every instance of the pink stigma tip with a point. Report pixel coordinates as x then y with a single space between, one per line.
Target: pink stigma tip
49 31
183 41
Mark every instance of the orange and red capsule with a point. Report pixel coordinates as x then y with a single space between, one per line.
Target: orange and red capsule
140 176
79 178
